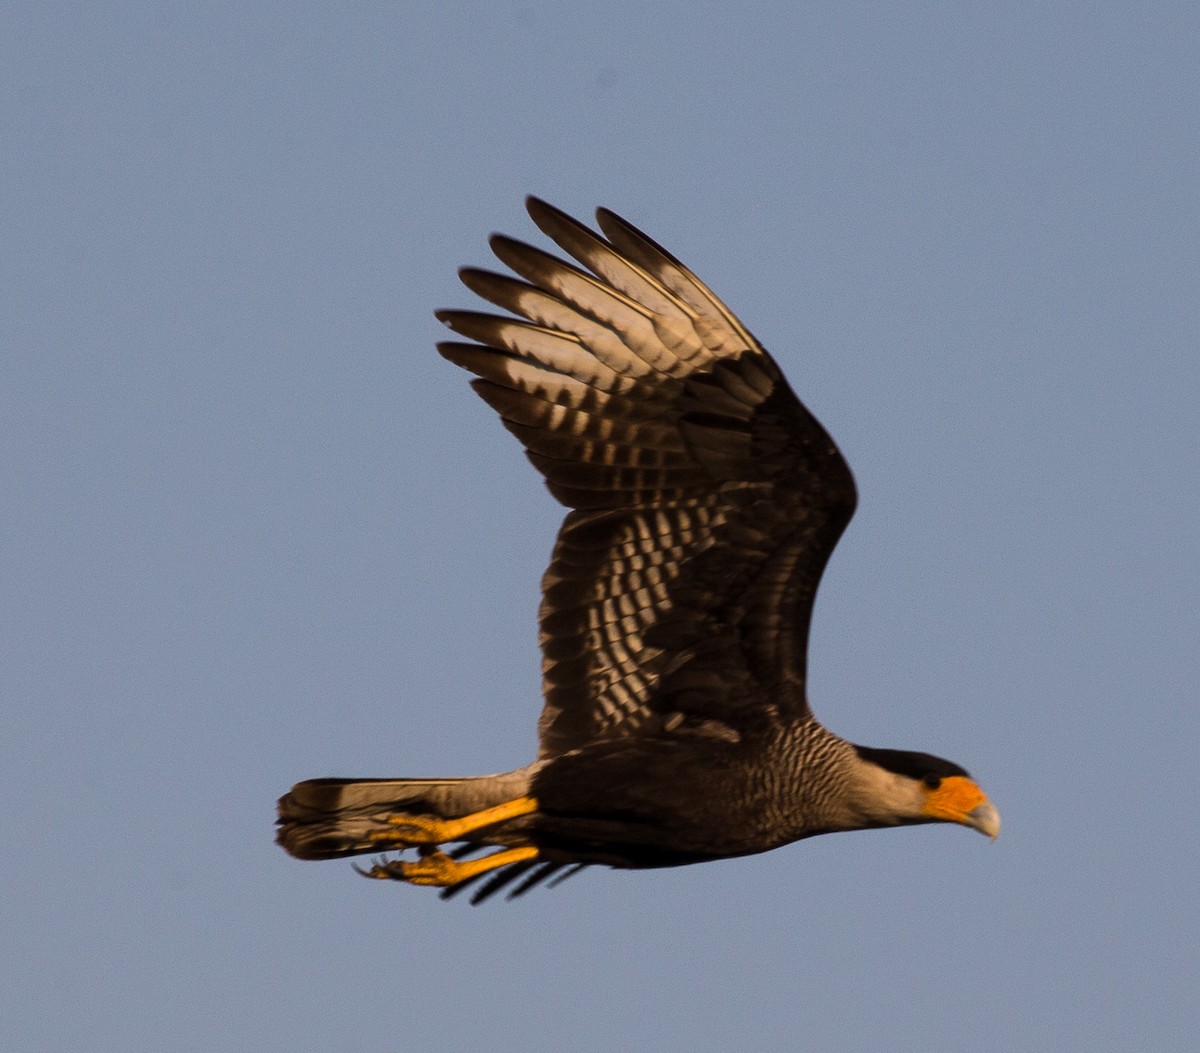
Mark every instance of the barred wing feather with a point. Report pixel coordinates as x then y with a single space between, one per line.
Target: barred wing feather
705 499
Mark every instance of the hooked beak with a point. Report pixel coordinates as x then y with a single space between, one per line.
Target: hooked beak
958 799
985 819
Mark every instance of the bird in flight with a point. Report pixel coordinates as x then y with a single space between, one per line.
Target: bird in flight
704 502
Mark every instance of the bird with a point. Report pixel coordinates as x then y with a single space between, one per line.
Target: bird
703 503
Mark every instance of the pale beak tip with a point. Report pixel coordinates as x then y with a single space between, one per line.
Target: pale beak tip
985 819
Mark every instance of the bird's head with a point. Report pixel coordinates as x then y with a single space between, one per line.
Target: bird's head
897 787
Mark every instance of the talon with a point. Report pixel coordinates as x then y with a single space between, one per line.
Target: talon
382 869
437 868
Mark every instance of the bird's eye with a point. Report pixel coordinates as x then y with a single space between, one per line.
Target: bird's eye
932 781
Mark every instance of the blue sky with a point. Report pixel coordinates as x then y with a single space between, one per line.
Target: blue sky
255 529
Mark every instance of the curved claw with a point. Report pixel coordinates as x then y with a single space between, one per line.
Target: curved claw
440 870
382 869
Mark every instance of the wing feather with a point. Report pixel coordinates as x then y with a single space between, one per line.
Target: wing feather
705 499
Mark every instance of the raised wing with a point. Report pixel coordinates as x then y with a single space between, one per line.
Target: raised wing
706 499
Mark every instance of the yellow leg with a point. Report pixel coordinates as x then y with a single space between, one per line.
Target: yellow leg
437 868
406 830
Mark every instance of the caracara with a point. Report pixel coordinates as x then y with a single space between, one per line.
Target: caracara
704 503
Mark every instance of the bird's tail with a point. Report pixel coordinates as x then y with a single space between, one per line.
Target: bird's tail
330 818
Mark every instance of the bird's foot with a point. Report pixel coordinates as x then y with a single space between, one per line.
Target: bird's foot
415 830
403 830
438 869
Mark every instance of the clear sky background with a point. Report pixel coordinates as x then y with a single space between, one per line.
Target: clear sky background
254 529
